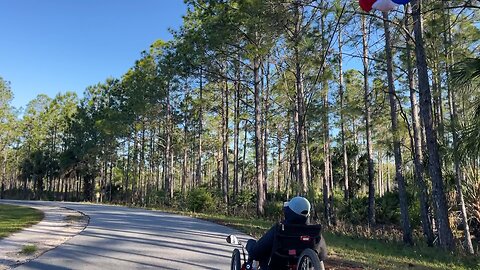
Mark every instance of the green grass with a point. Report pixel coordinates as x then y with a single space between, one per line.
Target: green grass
28 249
14 218
360 252
377 254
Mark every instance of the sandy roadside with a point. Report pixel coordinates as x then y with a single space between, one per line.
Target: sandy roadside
58 226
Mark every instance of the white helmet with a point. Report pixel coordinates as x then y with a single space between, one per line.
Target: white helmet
299 205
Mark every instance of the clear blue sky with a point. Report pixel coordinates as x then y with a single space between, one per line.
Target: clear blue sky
52 46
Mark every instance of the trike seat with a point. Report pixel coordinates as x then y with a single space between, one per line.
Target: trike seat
290 241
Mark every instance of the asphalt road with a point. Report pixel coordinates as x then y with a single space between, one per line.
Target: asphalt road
126 238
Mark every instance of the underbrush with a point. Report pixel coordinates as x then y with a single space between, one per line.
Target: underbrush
349 240
358 250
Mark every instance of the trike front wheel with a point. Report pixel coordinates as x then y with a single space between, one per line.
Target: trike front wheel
236 262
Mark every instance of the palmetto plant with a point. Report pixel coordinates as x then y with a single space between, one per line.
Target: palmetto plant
466 76
472 199
466 71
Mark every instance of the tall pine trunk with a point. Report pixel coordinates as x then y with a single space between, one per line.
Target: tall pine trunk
402 192
236 130
4 175
300 94
266 108
258 136
371 171
185 154
225 183
198 174
168 150
346 191
440 201
417 149
279 163
327 191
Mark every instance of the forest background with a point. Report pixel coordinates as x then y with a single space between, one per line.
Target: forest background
250 104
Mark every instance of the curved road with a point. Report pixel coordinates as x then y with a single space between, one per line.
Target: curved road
126 238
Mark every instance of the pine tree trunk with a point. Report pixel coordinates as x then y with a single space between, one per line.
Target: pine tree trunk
198 174
4 175
292 162
435 91
152 162
266 107
127 173
402 192
171 176
185 155
141 173
279 162
308 157
371 171
296 167
381 184
346 192
355 141
300 143
134 165
441 207
110 181
439 102
327 192
244 152
331 198
417 150
225 183
258 136
168 150
236 130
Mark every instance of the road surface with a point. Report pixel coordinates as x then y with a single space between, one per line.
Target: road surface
126 238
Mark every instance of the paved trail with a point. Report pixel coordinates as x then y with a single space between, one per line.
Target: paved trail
125 238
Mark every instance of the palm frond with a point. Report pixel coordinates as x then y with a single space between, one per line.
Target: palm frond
466 77
470 134
466 73
472 196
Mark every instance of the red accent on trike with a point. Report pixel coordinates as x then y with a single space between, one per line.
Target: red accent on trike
305 238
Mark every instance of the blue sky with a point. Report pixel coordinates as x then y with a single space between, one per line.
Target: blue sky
52 46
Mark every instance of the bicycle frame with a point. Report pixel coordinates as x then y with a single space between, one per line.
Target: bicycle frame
247 263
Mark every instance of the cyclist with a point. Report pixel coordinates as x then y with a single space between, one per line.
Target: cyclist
296 211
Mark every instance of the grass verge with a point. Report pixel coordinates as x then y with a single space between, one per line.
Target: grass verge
377 254
14 218
28 249
359 252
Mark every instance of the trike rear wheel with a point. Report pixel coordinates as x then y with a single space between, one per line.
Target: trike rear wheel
309 260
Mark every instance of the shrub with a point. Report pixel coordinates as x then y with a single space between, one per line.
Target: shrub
274 210
200 200
388 209
160 197
244 198
356 213
277 196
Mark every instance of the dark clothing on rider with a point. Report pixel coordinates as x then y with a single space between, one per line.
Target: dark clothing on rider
261 250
